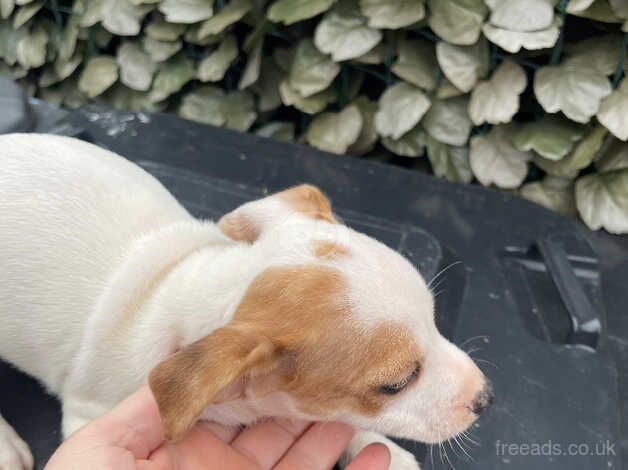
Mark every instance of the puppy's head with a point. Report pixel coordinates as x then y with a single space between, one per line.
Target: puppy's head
335 326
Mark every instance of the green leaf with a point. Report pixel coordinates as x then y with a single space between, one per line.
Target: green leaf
64 68
344 34
186 11
411 144
494 159
100 36
66 93
600 10
89 12
446 89
401 107
552 137
67 45
171 77
613 112
368 135
6 8
204 104
277 130
160 51
496 100
192 35
162 30
463 65
556 194
136 66
312 104
231 13
572 88
239 110
448 122
121 97
457 21
291 11
581 157
267 88
602 200
522 15
448 161
210 105
213 67
99 74
253 66
311 71
513 41
620 9
122 18
335 132
9 39
283 57
416 63
599 52
26 12
392 14
374 56
31 49
574 6
614 156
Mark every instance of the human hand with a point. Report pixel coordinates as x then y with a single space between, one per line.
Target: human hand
129 437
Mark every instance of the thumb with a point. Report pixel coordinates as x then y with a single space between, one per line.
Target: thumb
373 457
133 424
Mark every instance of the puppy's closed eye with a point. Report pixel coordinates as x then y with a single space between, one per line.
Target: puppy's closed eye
394 388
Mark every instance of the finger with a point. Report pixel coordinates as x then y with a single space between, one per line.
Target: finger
133 424
225 433
266 442
199 448
319 448
373 457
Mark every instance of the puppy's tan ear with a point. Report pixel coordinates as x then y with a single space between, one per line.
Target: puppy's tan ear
247 222
205 372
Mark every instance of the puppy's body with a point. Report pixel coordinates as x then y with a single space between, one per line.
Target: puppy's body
277 311
88 241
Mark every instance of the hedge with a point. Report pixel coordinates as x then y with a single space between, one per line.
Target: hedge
523 95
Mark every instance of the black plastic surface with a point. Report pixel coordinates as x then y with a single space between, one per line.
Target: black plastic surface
503 292
15 114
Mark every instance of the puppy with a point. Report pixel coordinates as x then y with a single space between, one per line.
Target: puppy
276 310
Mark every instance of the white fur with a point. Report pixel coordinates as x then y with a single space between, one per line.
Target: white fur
103 274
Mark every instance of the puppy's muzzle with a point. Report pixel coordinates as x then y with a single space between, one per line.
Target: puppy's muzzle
484 399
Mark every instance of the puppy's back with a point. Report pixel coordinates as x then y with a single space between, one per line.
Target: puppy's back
69 210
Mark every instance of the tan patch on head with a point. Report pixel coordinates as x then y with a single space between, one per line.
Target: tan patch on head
292 332
326 250
247 222
329 365
238 227
310 201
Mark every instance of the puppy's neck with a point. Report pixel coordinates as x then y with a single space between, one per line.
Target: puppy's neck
200 293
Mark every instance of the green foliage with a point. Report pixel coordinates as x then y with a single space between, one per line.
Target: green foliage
526 95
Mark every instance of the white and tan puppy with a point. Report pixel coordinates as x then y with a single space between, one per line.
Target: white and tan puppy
277 310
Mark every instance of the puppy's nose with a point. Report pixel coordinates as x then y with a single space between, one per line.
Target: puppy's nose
483 399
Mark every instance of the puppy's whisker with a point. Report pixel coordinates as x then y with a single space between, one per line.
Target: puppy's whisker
445 269
486 361
436 294
458 441
437 285
469 340
466 436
